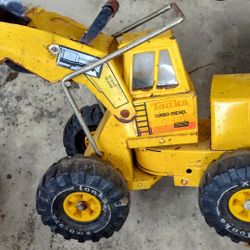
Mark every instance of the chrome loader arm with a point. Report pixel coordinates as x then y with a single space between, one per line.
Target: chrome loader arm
150 17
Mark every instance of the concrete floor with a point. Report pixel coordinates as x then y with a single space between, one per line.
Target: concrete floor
214 39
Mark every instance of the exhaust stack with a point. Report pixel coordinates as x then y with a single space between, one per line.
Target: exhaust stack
108 11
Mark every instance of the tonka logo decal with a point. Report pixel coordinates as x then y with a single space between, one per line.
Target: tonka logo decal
75 60
171 104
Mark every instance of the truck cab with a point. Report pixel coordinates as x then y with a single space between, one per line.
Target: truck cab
162 93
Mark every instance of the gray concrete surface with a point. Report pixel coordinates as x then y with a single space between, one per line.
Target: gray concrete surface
214 39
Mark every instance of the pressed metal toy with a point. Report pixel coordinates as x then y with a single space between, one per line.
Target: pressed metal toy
144 127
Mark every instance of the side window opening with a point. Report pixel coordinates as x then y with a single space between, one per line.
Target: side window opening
143 71
167 76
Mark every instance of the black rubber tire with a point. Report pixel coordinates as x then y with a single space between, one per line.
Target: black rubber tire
223 178
73 136
78 174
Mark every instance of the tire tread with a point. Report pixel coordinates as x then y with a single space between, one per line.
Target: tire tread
229 169
84 171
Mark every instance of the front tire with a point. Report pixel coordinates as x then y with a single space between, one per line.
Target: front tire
83 199
224 196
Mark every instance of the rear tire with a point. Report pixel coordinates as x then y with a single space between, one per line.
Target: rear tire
220 196
74 136
89 178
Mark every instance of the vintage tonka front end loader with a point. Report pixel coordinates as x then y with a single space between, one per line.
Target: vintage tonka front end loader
145 127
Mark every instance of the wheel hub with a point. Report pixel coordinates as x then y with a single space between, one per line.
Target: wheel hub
239 205
247 205
82 207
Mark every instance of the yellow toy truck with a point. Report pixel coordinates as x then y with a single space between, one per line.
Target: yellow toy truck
144 127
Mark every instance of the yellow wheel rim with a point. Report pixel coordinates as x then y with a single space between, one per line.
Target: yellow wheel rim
239 205
82 207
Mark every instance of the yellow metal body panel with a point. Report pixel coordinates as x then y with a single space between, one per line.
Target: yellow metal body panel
111 137
172 114
170 120
230 112
30 50
142 180
186 164
177 139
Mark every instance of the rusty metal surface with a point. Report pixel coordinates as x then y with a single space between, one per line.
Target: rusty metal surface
108 11
114 4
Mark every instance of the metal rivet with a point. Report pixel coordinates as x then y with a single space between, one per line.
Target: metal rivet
162 141
54 49
125 113
184 182
68 84
82 205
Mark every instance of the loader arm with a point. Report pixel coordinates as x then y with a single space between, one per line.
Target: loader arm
32 49
29 48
